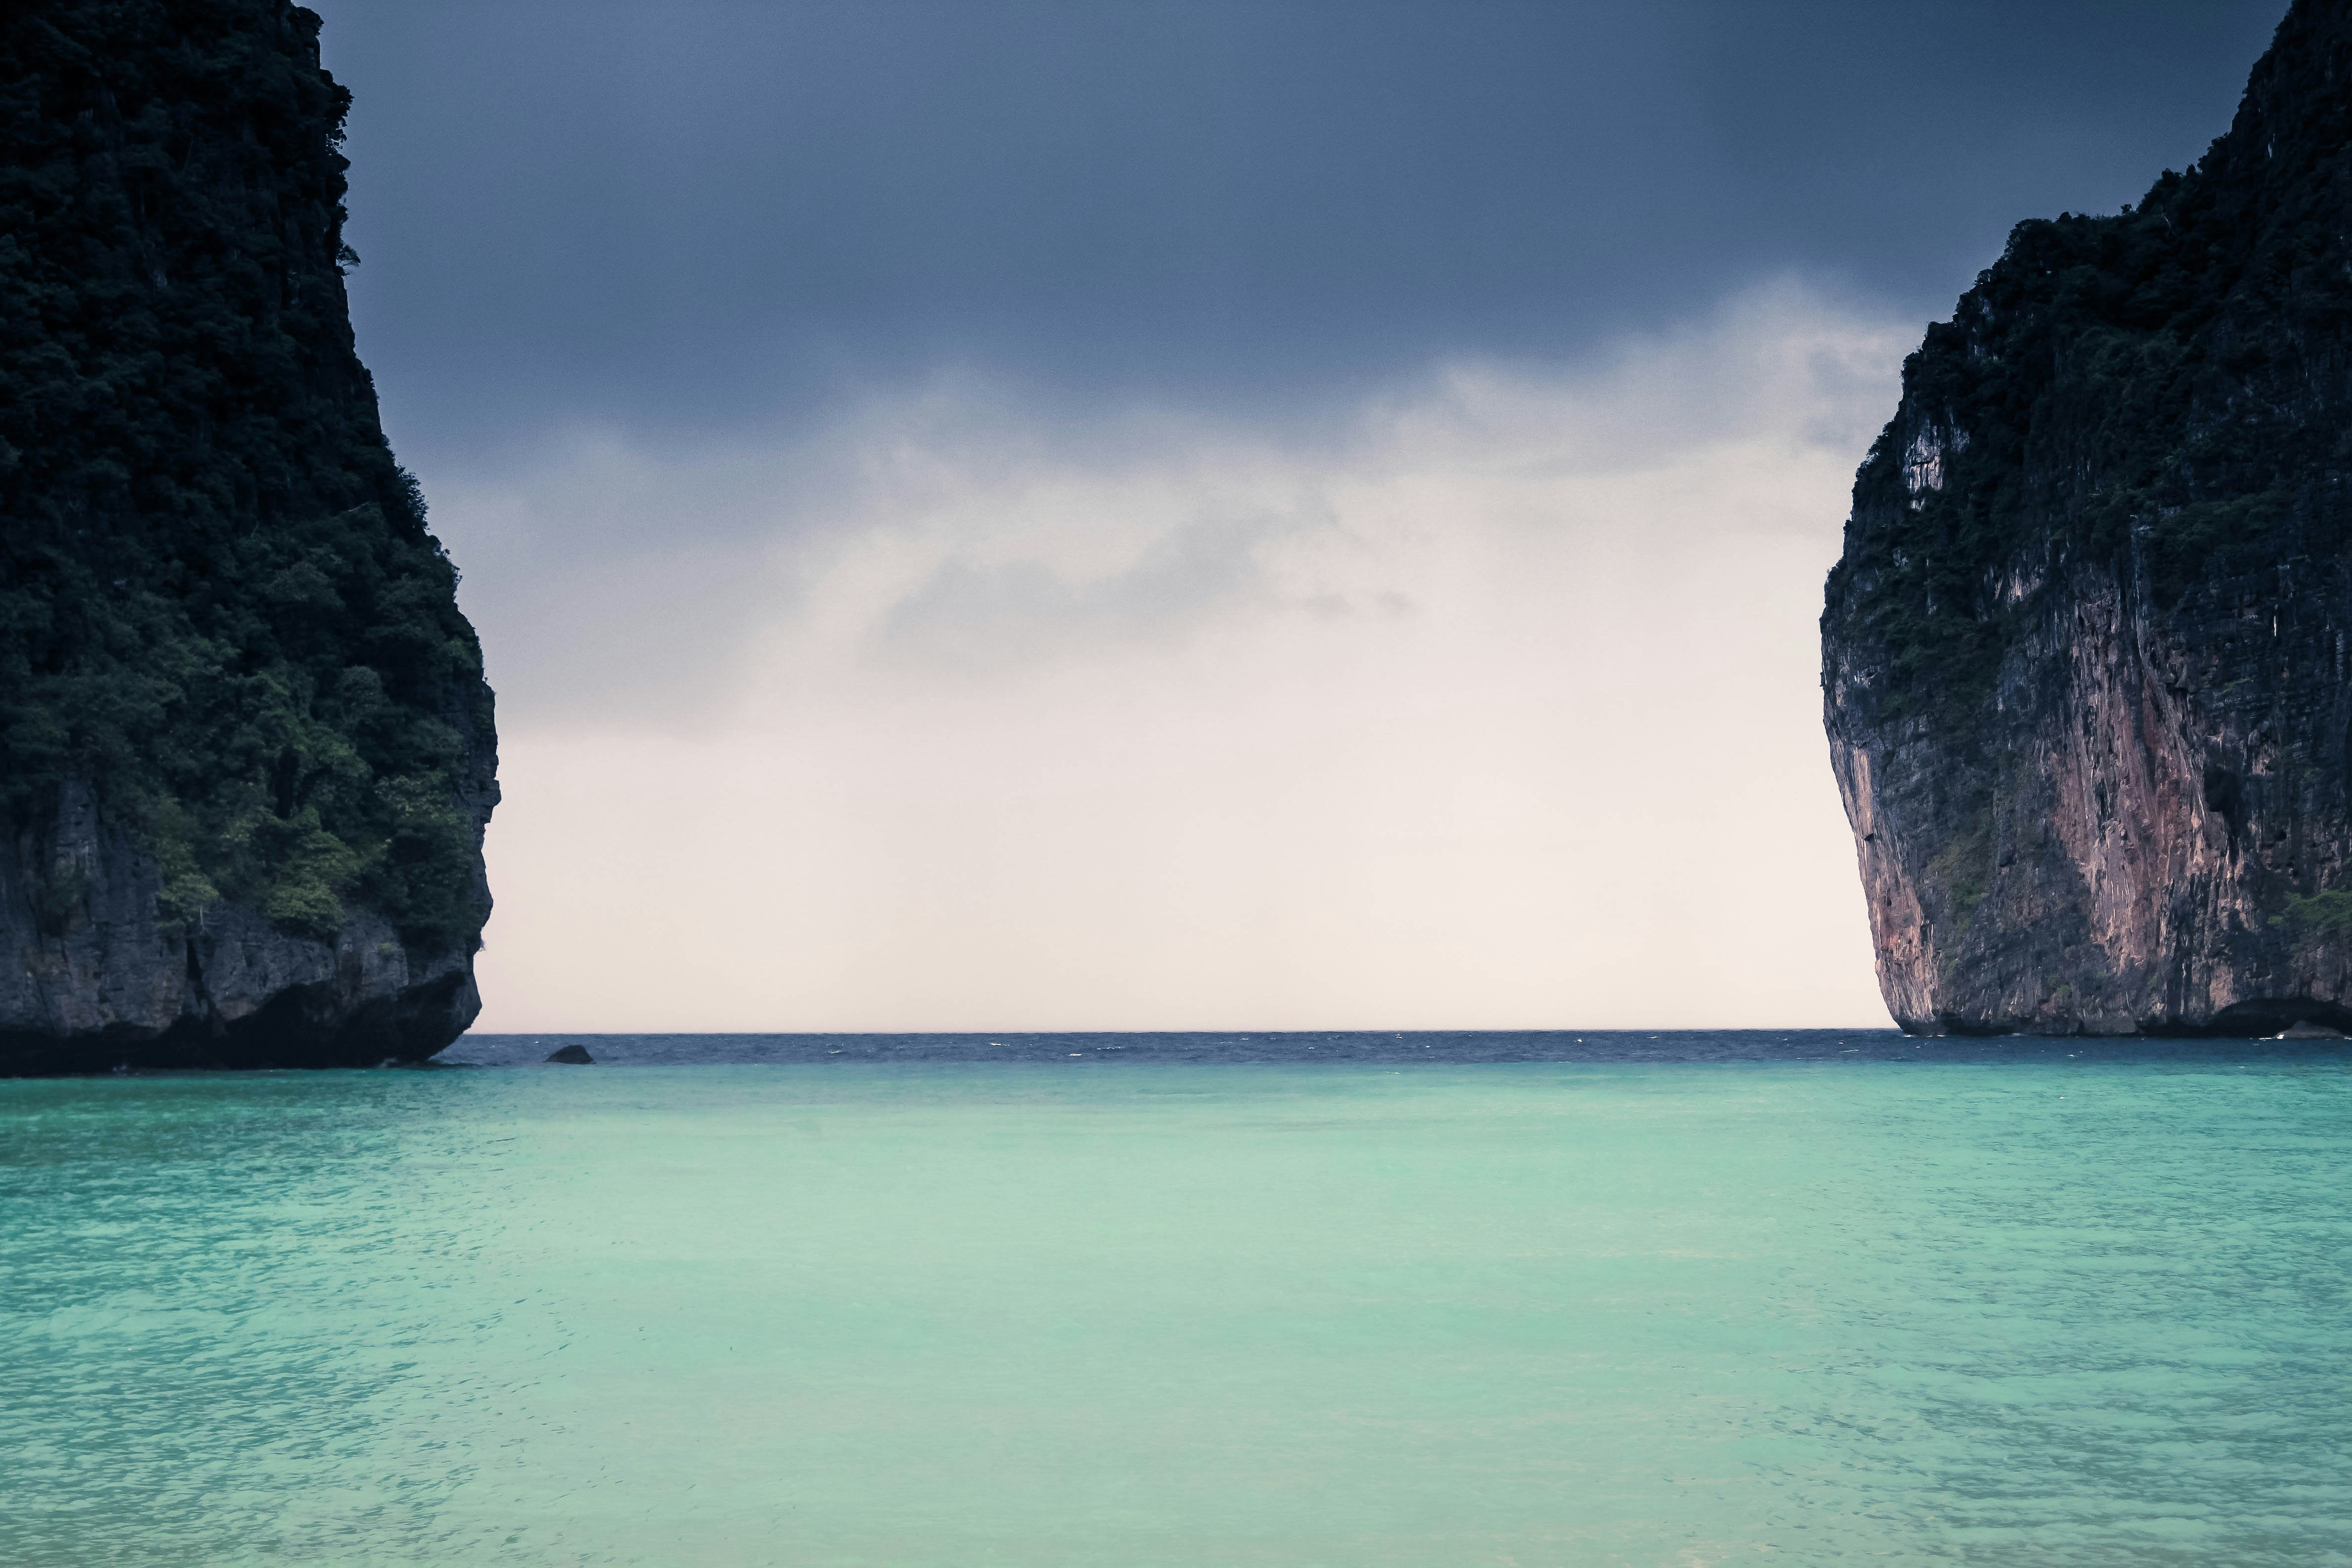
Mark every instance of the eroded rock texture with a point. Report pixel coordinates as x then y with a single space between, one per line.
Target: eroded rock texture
246 752
2084 658
100 982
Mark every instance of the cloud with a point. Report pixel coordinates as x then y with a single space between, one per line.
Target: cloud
1493 703
978 616
619 577
693 212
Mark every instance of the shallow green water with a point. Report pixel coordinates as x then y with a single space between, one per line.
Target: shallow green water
1135 1315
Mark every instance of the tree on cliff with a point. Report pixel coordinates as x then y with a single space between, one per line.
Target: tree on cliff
219 605
221 614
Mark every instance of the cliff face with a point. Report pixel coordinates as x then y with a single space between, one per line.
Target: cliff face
246 752
2084 661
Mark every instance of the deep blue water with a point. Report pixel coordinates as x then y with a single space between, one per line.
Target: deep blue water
1451 1046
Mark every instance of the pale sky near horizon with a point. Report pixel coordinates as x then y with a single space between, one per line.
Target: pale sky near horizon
1030 515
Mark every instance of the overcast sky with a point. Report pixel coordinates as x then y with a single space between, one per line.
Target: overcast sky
1188 514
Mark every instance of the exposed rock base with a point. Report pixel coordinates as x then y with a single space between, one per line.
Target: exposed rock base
94 980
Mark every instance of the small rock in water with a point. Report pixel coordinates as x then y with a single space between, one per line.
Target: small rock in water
573 1056
2307 1030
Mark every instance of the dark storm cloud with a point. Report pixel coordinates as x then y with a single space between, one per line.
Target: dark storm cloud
684 214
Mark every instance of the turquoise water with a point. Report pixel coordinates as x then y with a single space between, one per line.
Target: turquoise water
2036 1314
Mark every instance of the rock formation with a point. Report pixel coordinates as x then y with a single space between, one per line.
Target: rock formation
246 748
2084 660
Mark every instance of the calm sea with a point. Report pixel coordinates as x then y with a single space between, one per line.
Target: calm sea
1126 1300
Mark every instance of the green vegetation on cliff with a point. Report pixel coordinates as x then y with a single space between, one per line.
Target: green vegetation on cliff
219 606
2144 392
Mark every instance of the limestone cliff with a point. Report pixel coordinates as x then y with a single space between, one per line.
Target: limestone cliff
2084 660
246 748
